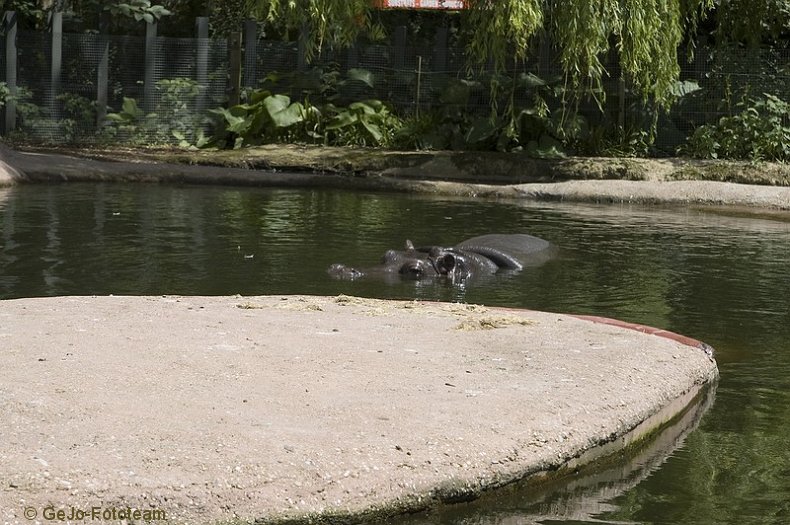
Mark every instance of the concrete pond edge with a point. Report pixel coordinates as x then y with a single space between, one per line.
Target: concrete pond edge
462 174
617 449
618 446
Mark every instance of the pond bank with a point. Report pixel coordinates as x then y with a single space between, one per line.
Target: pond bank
314 408
480 174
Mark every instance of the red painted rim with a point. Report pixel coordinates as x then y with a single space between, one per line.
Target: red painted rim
682 339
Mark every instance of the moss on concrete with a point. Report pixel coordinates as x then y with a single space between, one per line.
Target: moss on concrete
457 166
767 173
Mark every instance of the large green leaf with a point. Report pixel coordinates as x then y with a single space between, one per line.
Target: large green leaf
530 80
373 129
259 95
362 75
130 108
682 88
233 123
480 130
362 107
342 120
281 112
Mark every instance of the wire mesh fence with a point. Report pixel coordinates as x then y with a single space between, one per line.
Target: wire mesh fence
93 87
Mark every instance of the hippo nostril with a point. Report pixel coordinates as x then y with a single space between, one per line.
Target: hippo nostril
411 270
445 264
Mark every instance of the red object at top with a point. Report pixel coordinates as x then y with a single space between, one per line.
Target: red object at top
421 4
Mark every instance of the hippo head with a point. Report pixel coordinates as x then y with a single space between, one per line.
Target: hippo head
413 263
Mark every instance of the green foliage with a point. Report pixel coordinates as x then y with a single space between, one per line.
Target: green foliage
5 94
139 10
29 114
753 22
131 122
174 110
367 123
227 16
531 127
326 83
30 13
646 33
172 118
607 142
265 118
341 119
760 131
503 27
269 117
79 117
328 23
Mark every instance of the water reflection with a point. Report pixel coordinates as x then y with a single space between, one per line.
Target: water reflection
716 277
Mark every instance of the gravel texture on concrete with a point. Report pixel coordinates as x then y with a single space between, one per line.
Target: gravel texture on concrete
233 409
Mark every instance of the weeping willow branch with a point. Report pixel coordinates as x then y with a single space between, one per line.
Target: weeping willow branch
329 23
645 33
503 28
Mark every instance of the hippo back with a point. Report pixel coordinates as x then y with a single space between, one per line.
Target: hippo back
510 251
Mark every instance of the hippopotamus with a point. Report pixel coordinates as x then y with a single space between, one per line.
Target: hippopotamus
478 256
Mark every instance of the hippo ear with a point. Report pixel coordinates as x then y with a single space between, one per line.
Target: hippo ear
409 245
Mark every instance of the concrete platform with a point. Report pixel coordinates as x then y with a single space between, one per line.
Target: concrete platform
234 409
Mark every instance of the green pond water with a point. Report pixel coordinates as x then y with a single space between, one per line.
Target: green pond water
717 276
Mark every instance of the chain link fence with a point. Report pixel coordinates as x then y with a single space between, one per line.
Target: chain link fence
95 87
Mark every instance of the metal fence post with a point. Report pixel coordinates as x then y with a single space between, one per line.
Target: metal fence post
149 89
103 69
56 66
250 53
439 59
621 104
301 56
9 23
352 56
234 68
399 45
419 83
201 67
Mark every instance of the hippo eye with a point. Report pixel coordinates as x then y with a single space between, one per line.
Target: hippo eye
389 256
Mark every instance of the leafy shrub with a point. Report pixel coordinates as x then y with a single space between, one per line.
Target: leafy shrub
265 118
139 10
131 122
173 117
5 94
455 124
79 117
761 131
367 123
268 117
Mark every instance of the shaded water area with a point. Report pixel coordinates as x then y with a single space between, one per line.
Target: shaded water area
712 275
